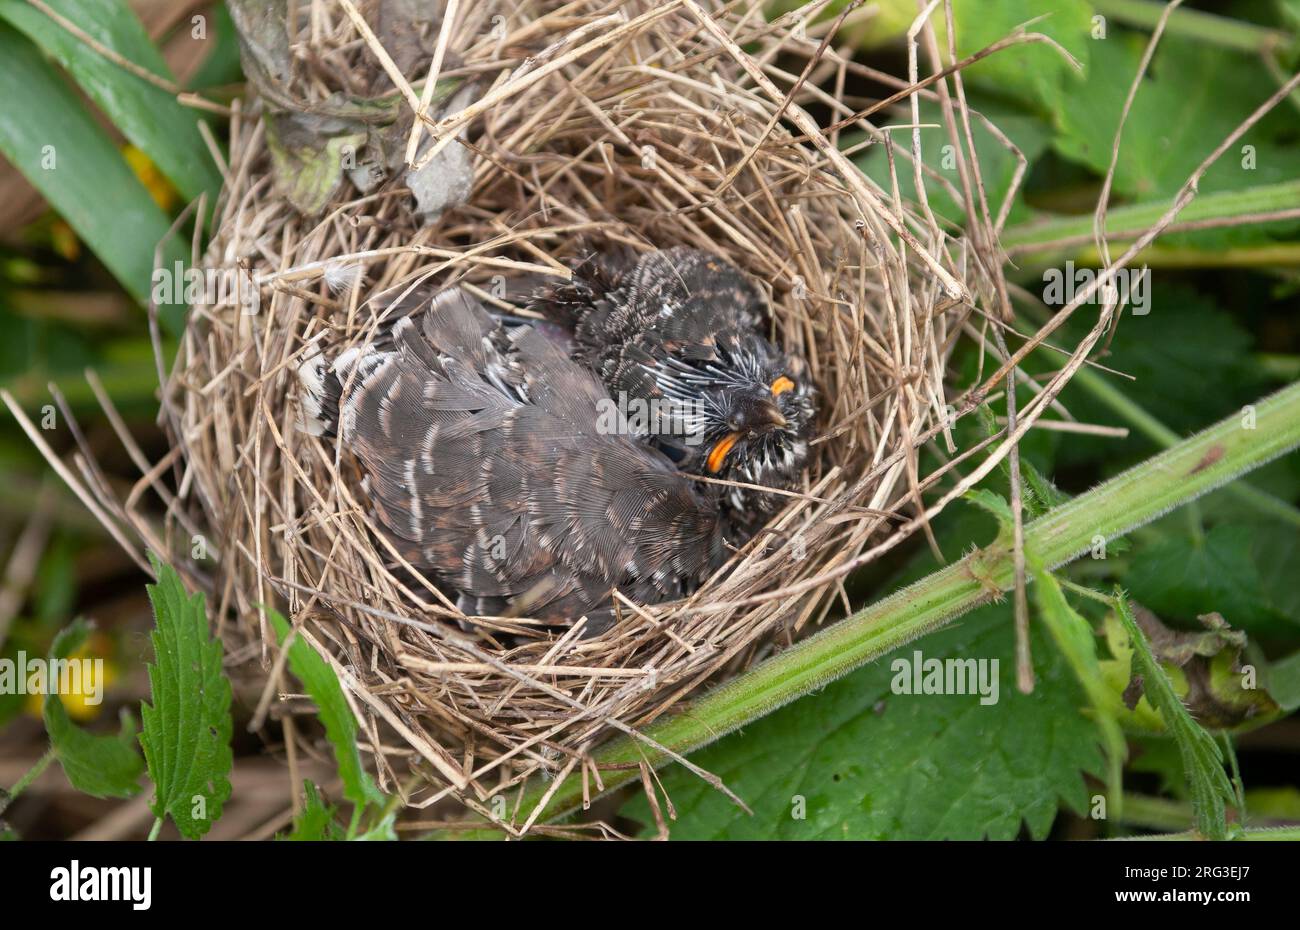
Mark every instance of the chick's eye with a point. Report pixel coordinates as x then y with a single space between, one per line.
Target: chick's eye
781 385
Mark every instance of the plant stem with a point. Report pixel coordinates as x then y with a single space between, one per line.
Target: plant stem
1193 24
1277 254
1129 222
1257 834
1156 813
28 777
155 829
1174 477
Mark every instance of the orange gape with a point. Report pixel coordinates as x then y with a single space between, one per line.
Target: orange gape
719 452
781 385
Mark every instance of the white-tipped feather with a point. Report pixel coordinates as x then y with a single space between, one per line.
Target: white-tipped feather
343 364
370 367
311 378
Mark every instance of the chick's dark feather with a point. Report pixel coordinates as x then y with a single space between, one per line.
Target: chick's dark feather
486 467
684 327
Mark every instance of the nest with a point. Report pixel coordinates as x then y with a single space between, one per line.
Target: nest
641 124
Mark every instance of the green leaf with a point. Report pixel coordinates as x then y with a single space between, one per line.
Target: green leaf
1192 97
87 181
221 65
318 820
187 728
148 116
318 677
995 504
1078 645
1275 550
1181 578
384 830
872 764
1207 782
100 766
1284 682
308 166
1204 668
1190 363
997 162
1033 73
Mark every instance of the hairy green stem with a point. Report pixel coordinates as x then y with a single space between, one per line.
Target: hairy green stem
1156 813
28 777
1267 255
1129 222
1149 490
1257 834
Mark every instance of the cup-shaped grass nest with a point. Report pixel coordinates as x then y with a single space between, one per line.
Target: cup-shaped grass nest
641 126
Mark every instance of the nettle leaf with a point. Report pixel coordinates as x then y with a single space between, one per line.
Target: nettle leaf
1034 73
1275 550
1284 682
1207 782
1178 577
100 766
1204 668
1190 364
187 728
866 763
1193 96
318 677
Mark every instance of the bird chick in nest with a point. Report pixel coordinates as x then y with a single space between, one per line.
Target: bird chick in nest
486 467
682 327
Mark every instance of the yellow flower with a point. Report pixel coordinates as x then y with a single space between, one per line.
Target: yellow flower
92 684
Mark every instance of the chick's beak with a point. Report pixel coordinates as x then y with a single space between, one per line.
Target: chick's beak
767 414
